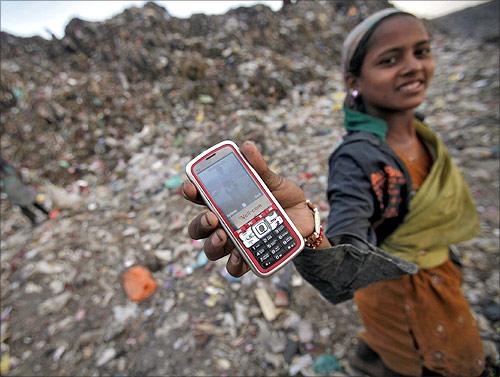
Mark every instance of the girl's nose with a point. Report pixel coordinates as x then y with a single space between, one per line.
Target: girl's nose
412 64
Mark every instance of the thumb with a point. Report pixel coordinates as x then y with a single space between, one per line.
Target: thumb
254 157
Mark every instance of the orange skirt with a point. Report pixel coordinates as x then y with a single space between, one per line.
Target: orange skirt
422 320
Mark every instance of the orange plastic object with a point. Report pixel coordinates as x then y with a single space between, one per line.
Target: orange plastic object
138 283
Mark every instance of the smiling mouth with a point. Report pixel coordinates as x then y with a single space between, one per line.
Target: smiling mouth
412 87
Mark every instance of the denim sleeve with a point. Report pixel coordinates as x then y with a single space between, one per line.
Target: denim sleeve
350 198
351 264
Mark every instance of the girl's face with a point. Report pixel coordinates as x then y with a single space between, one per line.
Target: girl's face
398 66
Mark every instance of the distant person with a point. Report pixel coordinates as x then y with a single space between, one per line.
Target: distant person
20 194
392 185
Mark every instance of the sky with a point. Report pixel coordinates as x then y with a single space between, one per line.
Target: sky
27 18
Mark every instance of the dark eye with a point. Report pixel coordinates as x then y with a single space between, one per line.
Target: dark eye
388 61
423 52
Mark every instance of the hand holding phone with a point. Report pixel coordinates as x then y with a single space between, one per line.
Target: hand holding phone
208 225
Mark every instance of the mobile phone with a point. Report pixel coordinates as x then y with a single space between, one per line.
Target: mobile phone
251 216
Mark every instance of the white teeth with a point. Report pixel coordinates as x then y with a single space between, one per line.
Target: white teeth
410 87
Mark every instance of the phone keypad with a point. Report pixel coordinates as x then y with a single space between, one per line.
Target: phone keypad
249 238
268 239
261 228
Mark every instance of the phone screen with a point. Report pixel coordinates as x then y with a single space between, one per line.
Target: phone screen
233 190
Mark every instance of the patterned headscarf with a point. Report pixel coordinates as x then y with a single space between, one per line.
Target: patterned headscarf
354 38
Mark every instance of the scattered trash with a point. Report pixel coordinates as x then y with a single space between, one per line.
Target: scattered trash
164 256
266 304
55 304
491 352
59 352
281 299
206 99
277 342
326 364
201 260
223 364
168 305
291 349
212 300
174 182
63 199
32 288
80 315
299 363
45 267
177 271
149 312
123 313
54 213
491 311
306 333
56 286
138 283
106 356
275 360
4 363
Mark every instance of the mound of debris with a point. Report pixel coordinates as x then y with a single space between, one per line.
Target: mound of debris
74 100
110 114
479 22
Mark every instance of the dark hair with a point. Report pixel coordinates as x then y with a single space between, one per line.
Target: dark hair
359 54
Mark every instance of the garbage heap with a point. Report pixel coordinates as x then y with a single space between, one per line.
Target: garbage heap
104 120
74 100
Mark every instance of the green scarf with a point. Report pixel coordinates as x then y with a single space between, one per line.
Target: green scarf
441 213
356 121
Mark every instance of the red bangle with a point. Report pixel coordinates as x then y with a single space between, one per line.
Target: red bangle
313 241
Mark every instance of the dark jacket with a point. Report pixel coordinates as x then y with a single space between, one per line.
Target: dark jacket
369 189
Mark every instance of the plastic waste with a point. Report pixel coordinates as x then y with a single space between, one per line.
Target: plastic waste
326 364
138 283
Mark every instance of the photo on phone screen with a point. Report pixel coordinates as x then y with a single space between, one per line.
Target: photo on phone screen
231 188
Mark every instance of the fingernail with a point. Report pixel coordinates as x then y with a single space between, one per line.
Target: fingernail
205 222
234 258
217 239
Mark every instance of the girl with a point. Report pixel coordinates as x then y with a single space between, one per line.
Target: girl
392 184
